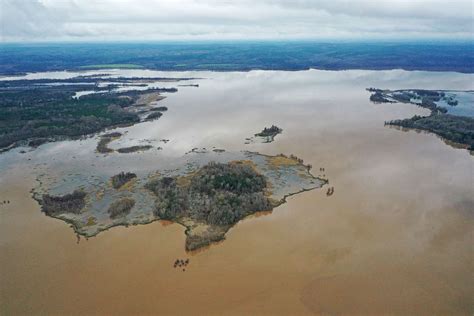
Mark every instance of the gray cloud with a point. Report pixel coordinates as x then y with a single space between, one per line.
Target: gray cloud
26 19
49 20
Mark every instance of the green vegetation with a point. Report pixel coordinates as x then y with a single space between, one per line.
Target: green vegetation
457 129
217 194
121 179
102 145
241 56
452 102
272 131
112 66
37 111
69 203
159 109
132 149
37 142
378 97
121 207
153 116
52 112
423 98
269 133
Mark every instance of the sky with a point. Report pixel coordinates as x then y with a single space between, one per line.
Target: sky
154 20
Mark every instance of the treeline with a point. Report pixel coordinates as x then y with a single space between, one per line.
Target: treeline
424 98
218 194
458 129
269 131
84 81
242 56
52 112
69 203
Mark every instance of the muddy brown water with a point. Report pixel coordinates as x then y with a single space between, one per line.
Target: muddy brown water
396 237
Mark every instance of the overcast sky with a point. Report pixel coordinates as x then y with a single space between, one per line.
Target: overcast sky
139 20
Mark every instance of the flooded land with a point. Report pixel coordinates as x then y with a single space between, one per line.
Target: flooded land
167 204
451 117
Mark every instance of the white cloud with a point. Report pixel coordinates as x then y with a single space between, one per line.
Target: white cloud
41 20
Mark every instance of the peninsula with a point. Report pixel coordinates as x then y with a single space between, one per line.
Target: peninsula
451 112
33 112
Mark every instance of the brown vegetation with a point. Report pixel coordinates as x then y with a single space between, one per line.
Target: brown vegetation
69 203
121 207
122 178
218 194
105 140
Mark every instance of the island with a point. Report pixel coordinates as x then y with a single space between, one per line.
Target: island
105 139
267 135
134 149
208 194
449 118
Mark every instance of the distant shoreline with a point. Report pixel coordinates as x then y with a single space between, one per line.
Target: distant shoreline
240 56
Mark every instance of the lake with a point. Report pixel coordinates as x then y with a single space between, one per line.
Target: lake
395 237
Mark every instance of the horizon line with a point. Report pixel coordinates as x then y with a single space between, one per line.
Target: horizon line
264 40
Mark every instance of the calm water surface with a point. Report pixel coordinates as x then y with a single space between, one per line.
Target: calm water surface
395 238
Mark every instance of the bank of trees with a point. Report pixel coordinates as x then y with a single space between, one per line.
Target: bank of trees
218 194
69 203
458 129
50 113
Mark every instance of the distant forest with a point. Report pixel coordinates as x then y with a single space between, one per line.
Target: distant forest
239 56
